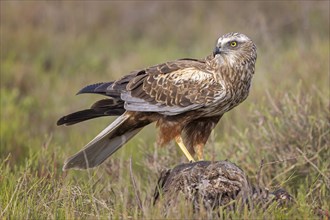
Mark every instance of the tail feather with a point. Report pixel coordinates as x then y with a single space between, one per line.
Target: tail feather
104 144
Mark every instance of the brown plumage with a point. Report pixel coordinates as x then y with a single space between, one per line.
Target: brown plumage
186 98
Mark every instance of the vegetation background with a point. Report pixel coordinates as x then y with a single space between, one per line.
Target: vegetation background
51 49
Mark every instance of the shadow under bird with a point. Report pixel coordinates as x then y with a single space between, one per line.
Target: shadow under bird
185 97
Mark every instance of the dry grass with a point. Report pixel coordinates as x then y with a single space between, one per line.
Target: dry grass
49 50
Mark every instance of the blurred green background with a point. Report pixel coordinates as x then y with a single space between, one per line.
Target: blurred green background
51 49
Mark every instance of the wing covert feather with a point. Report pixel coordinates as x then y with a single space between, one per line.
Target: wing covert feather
170 88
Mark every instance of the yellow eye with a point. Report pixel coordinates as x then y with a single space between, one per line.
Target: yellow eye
233 44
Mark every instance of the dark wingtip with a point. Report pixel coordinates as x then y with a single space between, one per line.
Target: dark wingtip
98 88
89 88
61 121
84 115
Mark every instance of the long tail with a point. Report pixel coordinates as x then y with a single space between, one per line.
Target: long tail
106 143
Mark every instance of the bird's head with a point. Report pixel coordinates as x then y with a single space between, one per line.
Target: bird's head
235 48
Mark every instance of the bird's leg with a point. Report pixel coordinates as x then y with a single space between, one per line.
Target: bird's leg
179 141
199 151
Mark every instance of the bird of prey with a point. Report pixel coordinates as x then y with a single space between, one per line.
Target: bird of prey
186 98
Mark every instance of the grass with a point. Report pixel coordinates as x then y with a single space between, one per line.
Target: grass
52 50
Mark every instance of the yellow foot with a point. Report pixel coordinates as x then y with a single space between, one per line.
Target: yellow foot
179 141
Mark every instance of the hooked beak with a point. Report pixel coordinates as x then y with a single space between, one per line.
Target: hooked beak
216 51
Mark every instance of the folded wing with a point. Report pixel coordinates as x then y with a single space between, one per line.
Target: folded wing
169 88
